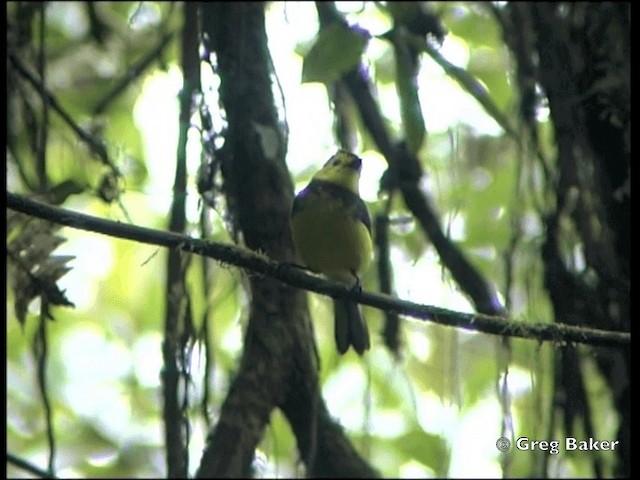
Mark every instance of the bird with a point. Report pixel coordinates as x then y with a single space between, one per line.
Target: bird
331 232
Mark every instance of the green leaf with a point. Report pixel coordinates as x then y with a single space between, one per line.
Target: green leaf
337 50
474 23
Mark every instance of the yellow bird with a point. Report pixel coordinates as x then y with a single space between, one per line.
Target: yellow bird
332 234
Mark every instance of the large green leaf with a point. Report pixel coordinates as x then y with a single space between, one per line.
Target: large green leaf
472 22
337 50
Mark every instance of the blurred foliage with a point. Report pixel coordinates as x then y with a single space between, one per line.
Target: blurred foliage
336 51
105 358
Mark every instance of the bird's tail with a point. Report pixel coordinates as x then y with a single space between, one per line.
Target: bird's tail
350 328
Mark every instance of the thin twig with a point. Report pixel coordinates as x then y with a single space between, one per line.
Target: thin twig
132 74
260 264
40 350
96 145
178 322
468 82
205 334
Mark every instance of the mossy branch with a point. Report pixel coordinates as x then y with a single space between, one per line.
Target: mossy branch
258 264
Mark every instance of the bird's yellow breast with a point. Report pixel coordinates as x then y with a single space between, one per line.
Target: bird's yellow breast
330 239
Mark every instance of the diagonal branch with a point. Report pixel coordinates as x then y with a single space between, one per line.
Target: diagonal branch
259 264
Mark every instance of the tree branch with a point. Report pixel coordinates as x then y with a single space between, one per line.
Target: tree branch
286 273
